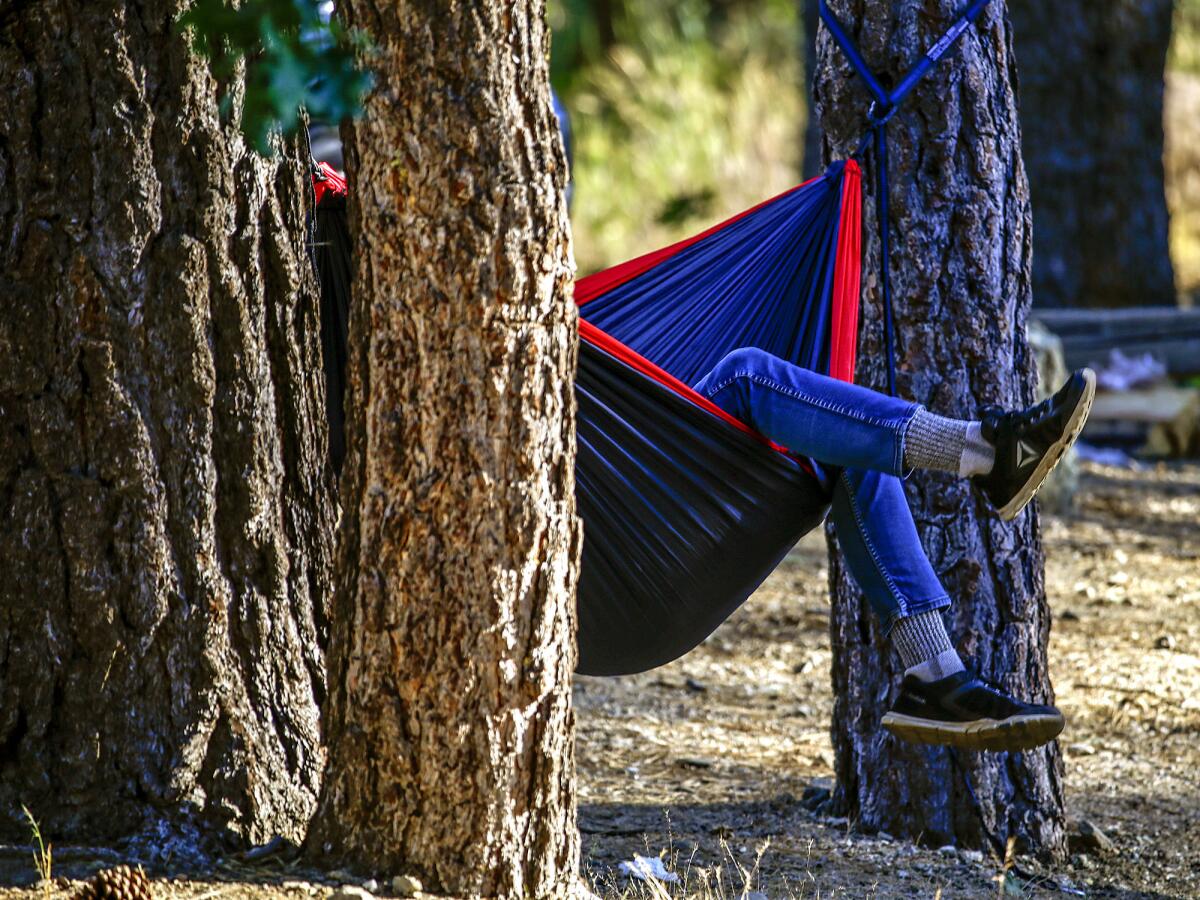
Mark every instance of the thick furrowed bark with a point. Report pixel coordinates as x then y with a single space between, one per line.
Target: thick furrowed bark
450 726
961 280
167 523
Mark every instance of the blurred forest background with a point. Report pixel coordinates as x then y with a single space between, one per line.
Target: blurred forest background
687 112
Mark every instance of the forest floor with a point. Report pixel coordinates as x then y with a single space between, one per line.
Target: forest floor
707 758
704 762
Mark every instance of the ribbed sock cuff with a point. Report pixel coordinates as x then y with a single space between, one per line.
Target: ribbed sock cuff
934 442
920 638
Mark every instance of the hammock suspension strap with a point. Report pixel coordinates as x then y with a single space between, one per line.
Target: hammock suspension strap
884 106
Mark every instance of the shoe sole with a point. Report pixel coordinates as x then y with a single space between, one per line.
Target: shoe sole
1014 733
1055 453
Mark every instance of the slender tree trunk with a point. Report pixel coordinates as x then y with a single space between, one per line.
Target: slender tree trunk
1092 111
165 518
450 724
960 222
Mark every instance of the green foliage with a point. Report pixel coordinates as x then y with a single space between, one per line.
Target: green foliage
1185 37
293 57
687 119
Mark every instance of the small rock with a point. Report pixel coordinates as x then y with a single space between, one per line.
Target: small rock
948 850
1166 642
1088 837
971 856
1082 861
885 837
901 873
1081 750
405 886
351 892
696 687
371 885
837 822
1069 615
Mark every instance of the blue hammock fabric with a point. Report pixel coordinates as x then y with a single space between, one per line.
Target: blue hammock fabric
685 510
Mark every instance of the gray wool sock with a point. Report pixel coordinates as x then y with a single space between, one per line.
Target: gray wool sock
947 445
924 646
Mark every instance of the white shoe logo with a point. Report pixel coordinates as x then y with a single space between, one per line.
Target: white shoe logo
1025 454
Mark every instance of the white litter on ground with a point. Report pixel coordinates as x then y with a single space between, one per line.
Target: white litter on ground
647 868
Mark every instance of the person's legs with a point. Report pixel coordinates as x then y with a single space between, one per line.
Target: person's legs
833 422
841 424
883 552
860 435
870 439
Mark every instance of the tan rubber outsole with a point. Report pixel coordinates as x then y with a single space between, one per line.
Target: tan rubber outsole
1075 425
1016 733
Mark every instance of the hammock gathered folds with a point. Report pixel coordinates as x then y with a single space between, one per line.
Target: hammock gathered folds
687 510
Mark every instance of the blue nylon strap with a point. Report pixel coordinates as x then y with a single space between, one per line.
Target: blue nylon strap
882 109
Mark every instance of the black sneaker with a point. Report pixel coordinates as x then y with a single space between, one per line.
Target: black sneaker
1029 443
963 711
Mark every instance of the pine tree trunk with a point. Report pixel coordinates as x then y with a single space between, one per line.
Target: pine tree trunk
812 163
165 517
960 222
450 725
1092 114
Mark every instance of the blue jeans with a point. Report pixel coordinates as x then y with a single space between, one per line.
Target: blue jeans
856 436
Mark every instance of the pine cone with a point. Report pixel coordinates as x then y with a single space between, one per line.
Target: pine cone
119 883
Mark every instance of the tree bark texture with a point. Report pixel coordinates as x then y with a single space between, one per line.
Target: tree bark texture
1092 112
811 165
450 724
166 521
960 225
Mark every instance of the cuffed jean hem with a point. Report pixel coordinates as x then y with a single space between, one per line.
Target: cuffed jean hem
907 608
903 471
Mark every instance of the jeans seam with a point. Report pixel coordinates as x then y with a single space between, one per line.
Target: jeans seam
900 599
847 411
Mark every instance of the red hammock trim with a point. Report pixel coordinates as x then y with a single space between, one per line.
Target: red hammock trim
333 182
610 345
843 338
847 275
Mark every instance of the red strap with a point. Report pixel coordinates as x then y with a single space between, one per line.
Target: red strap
328 180
847 275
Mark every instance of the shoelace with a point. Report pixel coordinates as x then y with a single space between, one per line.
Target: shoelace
1021 421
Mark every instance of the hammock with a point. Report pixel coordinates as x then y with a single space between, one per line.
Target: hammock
685 509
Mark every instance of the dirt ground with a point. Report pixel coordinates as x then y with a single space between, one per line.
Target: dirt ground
703 762
717 743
